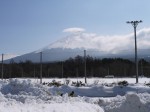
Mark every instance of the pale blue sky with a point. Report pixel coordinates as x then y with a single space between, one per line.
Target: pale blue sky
28 25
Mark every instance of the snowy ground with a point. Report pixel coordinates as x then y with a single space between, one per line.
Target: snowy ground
27 95
92 80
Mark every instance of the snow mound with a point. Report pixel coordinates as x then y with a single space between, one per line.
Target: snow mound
26 96
24 87
24 91
54 107
131 102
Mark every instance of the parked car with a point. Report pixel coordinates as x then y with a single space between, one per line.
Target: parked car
109 76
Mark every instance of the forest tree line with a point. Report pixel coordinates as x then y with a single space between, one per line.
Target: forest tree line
75 67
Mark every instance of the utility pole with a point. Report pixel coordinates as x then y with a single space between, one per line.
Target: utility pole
108 71
10 69
134 24
34 71
22 72
41 67
62 70
2 66
77 74
85 66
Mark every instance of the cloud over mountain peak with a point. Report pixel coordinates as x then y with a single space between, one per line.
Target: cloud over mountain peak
112 44
74 30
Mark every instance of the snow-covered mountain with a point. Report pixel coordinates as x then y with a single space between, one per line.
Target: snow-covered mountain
96 45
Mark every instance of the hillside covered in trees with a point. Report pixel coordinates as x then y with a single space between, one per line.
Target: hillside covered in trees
75 67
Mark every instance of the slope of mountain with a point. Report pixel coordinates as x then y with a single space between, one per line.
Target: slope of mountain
96 46
8 56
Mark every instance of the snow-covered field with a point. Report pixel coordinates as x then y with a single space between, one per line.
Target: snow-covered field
98 95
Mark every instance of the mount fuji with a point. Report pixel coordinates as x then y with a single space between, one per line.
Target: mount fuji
95 45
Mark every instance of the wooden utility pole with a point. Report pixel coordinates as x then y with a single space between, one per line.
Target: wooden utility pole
41 67
85 66
134 24
62 70
2 67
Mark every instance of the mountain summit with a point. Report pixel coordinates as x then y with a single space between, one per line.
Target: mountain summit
76 41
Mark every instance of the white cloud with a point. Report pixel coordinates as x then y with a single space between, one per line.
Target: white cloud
109 43
119 43
143 38
74 30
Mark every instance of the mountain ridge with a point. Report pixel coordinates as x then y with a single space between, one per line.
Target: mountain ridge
95 45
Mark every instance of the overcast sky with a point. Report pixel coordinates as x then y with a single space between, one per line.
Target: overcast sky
28 25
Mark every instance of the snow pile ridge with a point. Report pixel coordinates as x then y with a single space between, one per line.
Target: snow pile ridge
25 96
131 102
23 87
19 95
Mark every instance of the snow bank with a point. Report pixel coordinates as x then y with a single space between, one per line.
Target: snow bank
98 80
101 90
131 102
26 96
54 107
